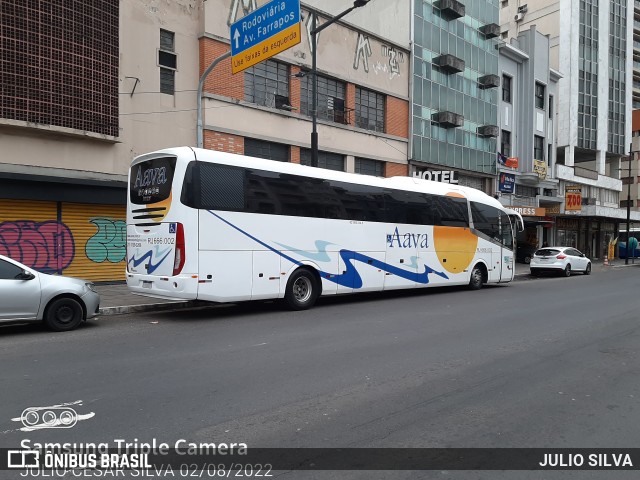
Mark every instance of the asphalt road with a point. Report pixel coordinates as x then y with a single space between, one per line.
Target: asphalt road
549 363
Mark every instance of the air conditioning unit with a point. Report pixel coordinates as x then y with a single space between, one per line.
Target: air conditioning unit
449 63
490 30
488 131
450 8
519 17
282 103
448 119
489 81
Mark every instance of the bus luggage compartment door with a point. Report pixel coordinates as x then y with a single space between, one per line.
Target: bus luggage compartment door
266 275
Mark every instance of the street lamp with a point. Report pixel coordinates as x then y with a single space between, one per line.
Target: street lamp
314 90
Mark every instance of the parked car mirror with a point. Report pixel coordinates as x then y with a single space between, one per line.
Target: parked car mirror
25 275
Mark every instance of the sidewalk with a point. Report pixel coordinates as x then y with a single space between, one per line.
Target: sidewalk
115 299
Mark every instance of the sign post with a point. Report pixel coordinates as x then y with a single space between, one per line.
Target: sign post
265 32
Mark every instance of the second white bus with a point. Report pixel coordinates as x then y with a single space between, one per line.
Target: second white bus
215 226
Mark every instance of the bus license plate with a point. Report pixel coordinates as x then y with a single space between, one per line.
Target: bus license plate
146 284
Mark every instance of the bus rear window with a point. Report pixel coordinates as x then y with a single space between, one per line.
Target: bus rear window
150 181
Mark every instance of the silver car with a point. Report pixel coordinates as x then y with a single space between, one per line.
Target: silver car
61 302
563 260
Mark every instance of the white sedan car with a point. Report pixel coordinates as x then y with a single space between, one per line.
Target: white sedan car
61 302
562 260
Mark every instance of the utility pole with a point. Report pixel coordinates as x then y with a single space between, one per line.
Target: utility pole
315 30
626 260
199 126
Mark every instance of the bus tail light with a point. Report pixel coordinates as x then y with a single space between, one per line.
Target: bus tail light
178 262
561 256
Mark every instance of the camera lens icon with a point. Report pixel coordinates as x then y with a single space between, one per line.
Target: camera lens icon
49 417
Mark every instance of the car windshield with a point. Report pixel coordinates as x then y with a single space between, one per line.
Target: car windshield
547 252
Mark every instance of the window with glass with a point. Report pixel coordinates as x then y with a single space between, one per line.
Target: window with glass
505 143
369 167
328 160
540 89
267 84
538 147
524 191
331 98
268 150
8 271
370 110
168 62
551 106
506 88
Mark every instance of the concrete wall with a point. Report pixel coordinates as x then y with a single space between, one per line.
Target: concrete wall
149 120
348 51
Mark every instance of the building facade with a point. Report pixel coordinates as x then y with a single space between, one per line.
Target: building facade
590 46
455 90
363 91
527 142
87 88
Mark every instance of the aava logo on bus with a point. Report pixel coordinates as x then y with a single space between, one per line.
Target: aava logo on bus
407 240
150 177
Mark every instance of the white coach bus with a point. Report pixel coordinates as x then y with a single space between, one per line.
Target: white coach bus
215 226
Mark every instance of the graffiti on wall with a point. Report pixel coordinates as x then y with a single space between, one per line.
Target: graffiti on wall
109 244
45 246
389 66
395 59
363 52
49 246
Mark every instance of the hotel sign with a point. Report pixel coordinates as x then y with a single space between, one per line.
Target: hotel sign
446 176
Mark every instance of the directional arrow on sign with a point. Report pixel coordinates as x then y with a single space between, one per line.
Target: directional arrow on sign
236 37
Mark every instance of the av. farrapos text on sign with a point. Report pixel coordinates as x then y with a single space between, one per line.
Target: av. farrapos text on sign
265 32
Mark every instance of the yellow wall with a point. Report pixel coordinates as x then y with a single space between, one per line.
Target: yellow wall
88 241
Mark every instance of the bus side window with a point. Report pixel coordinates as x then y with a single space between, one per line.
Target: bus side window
221 187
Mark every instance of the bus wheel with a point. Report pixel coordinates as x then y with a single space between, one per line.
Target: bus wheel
302 290
477 278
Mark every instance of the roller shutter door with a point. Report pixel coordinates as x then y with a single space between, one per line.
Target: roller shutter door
31 233
99 232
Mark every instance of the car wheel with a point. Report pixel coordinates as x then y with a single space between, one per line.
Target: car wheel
535 273
527 259
587 271
477 278
63 314
302 290
567 270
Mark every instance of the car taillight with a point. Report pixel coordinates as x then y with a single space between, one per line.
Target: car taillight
561 257
178 262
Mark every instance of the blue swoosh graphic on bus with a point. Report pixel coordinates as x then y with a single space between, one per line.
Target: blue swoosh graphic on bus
350 278
152 267
320 255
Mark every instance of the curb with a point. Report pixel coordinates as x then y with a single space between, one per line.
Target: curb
121 310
